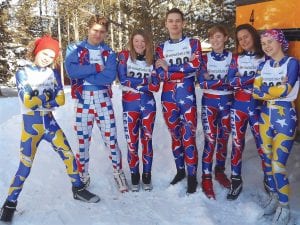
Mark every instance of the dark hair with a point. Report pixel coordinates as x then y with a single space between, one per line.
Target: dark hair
97 19
255 36
148 42
175 10
217 28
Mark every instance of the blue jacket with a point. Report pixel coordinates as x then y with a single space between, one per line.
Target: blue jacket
79 68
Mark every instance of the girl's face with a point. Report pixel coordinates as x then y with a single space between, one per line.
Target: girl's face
271 47
44 58
245 40
96 34
139 44
217 41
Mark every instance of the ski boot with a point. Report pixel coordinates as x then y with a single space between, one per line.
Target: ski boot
179 176
236 187
147 184
120 179
80 193
207 186
135 182
221 177
7 211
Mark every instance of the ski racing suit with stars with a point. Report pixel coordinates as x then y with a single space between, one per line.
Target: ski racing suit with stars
139 108
216 103
91 87
178 98
244 108
40 91
277 84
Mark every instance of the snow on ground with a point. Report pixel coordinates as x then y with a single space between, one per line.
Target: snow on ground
47 197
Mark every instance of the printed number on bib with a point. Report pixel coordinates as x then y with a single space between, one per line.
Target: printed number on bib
138 74
179 61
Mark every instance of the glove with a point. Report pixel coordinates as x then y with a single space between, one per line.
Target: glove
49 93
258 82
34 93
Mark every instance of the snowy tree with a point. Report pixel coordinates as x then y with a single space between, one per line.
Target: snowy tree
5 39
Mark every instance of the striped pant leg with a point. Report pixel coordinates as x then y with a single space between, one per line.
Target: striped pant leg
84 121
106 123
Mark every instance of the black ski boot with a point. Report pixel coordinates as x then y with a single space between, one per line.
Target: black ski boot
236 187
7 211
80 193
191 184
147 185
135 182
179 176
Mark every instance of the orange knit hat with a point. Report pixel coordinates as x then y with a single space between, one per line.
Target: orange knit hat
46 42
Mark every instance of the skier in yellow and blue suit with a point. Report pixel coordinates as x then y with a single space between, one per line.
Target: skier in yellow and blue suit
40 91
277 84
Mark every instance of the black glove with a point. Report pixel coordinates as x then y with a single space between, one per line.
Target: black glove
34 93
49 93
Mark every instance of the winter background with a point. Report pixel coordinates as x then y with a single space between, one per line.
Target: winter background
47 197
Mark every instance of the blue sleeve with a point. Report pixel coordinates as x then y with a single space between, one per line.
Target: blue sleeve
122 73
159 55
74 69
108 75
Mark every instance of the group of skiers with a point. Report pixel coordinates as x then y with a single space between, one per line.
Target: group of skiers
258 85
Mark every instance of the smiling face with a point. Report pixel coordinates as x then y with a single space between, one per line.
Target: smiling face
96 34
174 23
44 58
271 47
139 44
245 40
217 41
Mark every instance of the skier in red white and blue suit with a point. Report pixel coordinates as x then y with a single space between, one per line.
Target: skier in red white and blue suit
216 103
244 108
138 79
91 64
178 60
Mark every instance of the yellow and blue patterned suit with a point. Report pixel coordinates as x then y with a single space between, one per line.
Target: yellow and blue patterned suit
277 84
40 90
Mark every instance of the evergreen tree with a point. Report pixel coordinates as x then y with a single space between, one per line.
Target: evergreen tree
5 73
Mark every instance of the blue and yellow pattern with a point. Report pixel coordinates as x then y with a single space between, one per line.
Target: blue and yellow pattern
278 120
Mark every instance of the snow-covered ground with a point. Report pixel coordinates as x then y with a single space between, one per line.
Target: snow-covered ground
47 197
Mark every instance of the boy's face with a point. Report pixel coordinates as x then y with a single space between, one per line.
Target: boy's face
174 24
96 34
